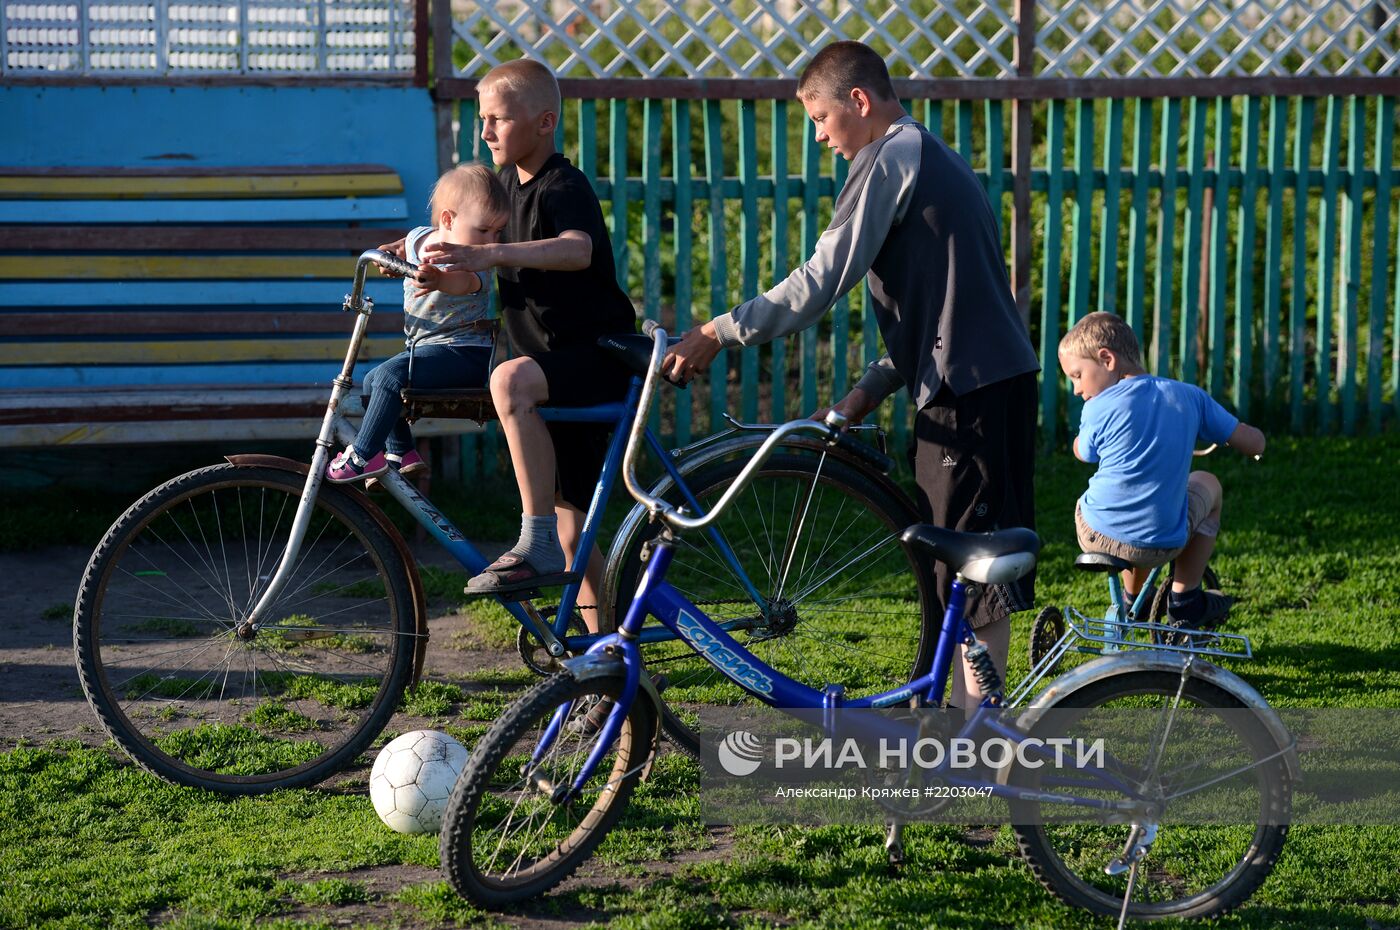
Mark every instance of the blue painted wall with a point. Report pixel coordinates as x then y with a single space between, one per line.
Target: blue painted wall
158 125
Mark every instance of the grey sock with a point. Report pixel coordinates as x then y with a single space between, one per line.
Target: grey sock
539 543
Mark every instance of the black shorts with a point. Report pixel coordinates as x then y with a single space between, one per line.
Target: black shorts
974 463
580 377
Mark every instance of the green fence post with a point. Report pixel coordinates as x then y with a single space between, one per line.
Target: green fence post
811 229
1108 216
1191 251
779 148
1081 219
719 261
1244 255
1380 242
963 110
748 249
1050 381
588 139
1273 249
1138 220
617 176
933 117
1352 215
996 161
1219 248
1327 261
683 244
1298 309
841 312
651 224
1166 240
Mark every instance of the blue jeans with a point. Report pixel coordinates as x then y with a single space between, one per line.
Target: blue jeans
438 367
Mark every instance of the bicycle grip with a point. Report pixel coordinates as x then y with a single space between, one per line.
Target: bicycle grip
649 328
390 262
866 453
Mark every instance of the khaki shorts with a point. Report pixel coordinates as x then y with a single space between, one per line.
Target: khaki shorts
1198 507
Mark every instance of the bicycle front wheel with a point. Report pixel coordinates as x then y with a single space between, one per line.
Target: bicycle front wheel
510 832
1196 750
173 682
807 571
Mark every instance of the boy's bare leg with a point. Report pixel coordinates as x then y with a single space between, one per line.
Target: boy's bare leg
996 636
1133 580
1191 563
591 588
518 388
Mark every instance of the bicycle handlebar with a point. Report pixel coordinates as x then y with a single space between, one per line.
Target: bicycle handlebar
830 430
384 260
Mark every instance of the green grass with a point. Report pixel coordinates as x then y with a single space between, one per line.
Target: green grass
1311 546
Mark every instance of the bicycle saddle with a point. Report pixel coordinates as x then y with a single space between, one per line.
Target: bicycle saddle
633 350
1101 562
987 558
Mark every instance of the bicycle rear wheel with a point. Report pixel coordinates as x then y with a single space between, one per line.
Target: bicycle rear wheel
839 598
190 699
508 834
1222 783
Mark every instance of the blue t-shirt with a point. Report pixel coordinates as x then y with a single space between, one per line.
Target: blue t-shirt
1142 431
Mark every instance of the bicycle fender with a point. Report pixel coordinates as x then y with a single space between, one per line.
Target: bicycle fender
1111 666
594 665
718 451
381 519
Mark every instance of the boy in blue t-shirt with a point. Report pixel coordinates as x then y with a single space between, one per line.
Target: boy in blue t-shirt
1144 504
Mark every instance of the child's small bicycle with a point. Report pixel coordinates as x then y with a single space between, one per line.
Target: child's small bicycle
555 772
247 626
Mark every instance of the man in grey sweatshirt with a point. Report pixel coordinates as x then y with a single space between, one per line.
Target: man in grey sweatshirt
915 221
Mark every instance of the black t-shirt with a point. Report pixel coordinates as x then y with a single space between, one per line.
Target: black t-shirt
548 310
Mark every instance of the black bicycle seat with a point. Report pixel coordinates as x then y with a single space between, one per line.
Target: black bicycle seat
1101 562
989 558
632 350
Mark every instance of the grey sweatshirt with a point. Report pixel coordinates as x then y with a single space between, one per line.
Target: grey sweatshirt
915 219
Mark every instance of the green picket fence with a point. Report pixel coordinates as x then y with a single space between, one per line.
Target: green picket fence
1268 281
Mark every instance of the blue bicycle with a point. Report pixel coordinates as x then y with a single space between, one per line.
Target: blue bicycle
554 773
247 627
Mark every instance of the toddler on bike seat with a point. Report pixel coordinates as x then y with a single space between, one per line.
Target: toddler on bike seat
444 322
1144 504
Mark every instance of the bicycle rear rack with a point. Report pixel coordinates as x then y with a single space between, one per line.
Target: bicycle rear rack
1098 636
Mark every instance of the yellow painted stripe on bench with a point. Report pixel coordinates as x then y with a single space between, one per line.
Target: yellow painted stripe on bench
154 267
172 352
51 187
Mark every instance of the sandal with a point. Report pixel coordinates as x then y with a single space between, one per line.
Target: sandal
512 574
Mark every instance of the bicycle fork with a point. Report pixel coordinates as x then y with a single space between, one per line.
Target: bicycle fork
362 307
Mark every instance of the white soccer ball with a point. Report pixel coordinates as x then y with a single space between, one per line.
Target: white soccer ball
412 779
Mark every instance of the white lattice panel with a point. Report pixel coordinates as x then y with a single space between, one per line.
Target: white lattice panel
740 39
182 37
1205 38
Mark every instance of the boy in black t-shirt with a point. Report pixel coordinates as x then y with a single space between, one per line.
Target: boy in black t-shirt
559 294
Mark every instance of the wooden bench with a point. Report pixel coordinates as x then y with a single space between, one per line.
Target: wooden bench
177 304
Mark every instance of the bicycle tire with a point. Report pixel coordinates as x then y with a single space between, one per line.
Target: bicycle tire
170 680
497 792
1174 862
1046 632
903 646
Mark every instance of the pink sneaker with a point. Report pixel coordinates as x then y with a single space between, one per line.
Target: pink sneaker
343 470
412 463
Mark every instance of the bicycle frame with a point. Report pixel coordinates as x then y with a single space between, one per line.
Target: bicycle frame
618 415
657 598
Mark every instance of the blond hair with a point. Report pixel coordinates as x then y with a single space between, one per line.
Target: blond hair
1102 330
526 81
469 183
